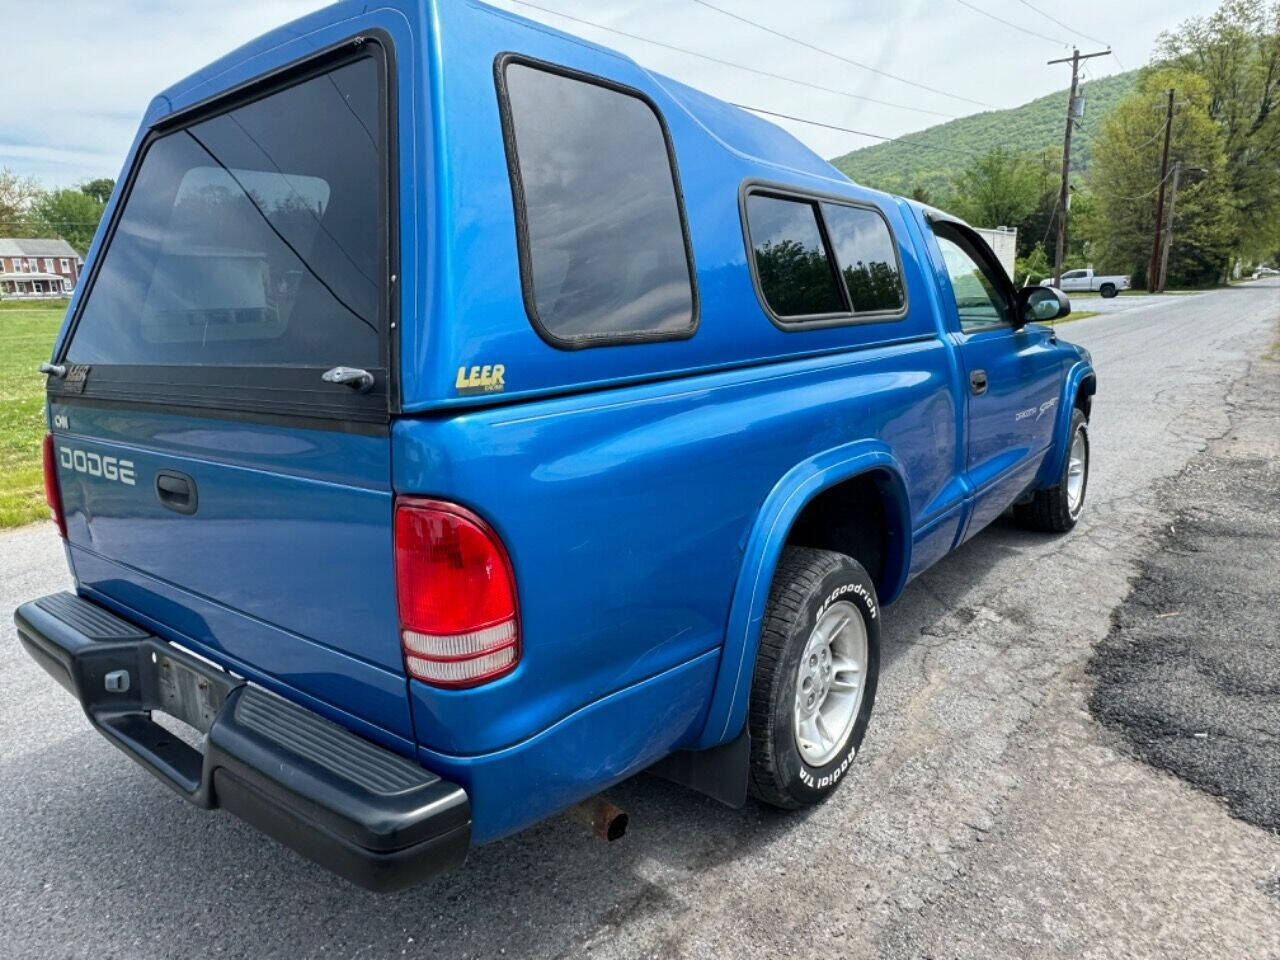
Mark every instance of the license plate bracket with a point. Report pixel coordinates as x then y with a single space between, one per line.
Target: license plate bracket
189 692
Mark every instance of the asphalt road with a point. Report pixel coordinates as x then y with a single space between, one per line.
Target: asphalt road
988 814
1209 711
1128 302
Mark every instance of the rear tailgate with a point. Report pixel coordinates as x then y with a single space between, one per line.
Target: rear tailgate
217 487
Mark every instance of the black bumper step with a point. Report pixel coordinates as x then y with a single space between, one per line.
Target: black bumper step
368 814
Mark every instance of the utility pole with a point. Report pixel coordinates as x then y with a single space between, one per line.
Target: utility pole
1154 267
1064 198
1168 232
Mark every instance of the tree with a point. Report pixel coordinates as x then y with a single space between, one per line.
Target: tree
874 285
1236 51
99 189
1125 178
69 214
1032 268
998 188
1036 228
922 194
797 277
16 196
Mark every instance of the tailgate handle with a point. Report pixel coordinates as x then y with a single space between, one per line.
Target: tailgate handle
359 380
177 491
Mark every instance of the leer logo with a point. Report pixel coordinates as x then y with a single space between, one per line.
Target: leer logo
485 379
95 465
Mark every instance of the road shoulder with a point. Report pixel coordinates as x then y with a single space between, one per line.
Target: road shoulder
1098 853
1189 676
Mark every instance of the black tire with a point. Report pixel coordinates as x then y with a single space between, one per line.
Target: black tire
1050 509
1108 290
806 584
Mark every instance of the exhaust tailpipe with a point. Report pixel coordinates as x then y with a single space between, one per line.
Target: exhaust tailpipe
601 817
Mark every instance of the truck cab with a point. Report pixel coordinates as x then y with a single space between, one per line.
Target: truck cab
458 418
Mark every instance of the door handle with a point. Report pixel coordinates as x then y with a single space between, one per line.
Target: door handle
177 491
978 382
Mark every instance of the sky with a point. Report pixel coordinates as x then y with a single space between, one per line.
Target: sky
75 90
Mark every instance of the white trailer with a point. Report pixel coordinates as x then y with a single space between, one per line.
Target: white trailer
1004 241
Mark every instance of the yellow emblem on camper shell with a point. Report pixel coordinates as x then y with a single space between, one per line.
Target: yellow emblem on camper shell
481 379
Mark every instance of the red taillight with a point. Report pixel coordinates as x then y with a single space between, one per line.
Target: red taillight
52 492
457 596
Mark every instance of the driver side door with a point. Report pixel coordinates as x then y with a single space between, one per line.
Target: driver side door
1012 376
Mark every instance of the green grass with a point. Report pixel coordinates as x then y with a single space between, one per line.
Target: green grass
1078 315
26 338
37 305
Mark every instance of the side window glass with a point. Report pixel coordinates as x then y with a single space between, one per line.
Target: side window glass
253 238
978 299
796 275
603 244
867 256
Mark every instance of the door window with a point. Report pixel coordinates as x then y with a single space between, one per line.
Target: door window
980 301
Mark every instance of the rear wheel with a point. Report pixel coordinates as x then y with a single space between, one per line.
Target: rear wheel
1057 508
1108 290
815 676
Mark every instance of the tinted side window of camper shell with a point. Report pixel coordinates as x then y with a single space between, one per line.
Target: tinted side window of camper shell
604 251
792 260
867 256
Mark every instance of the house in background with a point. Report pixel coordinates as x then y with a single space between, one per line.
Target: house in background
37 269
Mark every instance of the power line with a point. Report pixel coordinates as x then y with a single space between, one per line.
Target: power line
1052 219
861 133
1008 23
806 44
1049 16
1143 196
1142 146
729 63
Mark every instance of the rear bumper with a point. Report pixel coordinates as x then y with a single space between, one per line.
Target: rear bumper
372 816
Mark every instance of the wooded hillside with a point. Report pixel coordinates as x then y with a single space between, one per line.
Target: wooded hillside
904 167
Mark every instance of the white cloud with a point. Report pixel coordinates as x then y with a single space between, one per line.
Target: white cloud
74 92
75 87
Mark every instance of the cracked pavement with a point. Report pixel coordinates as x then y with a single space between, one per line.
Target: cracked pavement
1189 675
988 814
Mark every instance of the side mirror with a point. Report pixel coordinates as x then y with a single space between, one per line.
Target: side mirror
1041 304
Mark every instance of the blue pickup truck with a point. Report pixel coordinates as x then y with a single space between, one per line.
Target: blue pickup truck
457 418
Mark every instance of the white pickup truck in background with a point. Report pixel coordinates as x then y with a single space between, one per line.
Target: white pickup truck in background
1074 281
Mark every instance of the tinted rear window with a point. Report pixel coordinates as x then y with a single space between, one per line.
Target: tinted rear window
254 238
602 235
867 257
791 258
